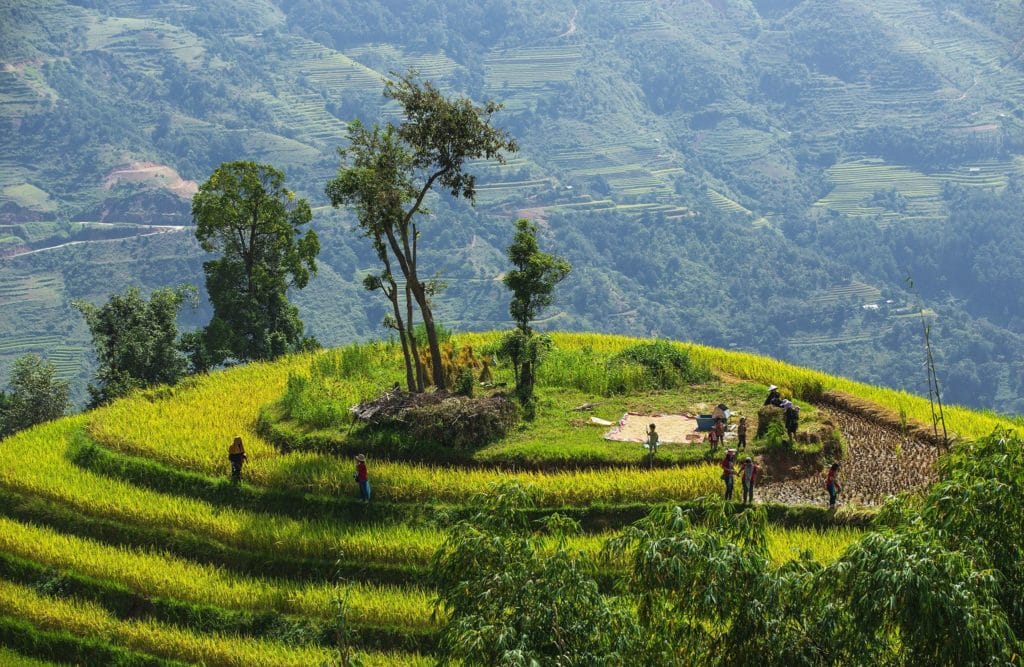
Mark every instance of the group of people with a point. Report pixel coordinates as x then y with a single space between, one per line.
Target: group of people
237 457
749 471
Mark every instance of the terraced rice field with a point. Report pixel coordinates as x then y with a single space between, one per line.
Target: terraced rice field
857 182
119 529
431 66
143 44
331 70
532 67
723 203
854 291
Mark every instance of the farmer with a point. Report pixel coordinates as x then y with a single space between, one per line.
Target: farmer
832 485
236 454
741 432
774 398
728 471
362 478
749 478
792 419
651 444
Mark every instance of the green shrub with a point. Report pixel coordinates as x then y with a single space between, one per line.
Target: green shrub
664 366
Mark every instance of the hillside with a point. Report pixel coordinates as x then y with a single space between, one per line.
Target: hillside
122 537
761 175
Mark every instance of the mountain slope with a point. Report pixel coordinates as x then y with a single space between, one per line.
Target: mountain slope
738 173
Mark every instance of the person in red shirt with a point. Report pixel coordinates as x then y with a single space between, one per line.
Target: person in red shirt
832 485
729 471
362 478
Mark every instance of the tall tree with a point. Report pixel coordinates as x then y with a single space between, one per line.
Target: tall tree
135 341
387 172
244 213
534 277
532 283
36 395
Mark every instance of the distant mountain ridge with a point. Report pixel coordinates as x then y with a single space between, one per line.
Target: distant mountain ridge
739 173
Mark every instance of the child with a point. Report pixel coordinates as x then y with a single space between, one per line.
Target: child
832 485
362 478
741 432
236 454
728 471
652 444
749 478
713 438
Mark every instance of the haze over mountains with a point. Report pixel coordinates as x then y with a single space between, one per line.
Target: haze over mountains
760 175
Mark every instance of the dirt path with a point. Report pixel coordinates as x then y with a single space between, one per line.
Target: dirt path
572 23
881 462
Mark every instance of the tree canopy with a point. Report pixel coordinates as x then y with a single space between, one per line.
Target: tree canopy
244 213
135 341
386 174
36 395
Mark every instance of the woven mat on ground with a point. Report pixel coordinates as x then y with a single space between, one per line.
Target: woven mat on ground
671 428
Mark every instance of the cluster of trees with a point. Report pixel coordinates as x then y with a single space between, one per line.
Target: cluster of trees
938 582
385 177
257 229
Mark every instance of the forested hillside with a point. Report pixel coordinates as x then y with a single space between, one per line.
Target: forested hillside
762 174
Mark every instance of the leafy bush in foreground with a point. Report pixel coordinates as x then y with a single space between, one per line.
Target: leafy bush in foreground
941 586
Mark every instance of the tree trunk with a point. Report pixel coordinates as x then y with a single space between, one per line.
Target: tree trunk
437 368
392 293
421 383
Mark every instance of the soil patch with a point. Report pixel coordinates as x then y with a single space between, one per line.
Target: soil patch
153 174
881 461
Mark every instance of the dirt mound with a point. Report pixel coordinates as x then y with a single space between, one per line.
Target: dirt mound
154 175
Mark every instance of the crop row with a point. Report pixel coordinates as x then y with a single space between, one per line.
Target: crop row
531 67
29 343
34 464
87 619
723 203
852 290
160 574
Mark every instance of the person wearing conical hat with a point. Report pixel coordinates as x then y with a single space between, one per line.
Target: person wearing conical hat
236 454
362 478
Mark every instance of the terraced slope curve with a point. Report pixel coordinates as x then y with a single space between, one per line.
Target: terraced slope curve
122 541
